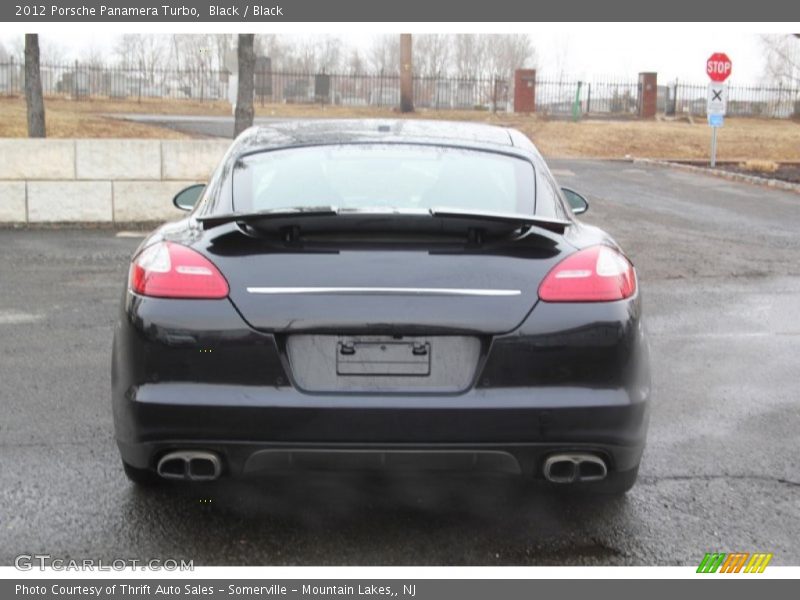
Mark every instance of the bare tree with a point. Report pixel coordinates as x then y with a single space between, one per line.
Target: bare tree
223 43
331 54
244 98
508 52
196 56
561 58
477 55
384 54
52 51
271 45
151 51
469 55
93 56
432 54
304 56
145 55
146 52
355 62
125 51
313 54
783 58
16 48
33 87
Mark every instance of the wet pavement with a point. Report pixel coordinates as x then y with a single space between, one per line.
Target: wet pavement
719 264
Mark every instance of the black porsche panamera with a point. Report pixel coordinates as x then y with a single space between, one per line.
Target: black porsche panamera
390 295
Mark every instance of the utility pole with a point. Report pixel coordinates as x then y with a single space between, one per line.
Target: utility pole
406 74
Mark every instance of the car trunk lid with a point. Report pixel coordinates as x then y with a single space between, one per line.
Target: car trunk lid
340 285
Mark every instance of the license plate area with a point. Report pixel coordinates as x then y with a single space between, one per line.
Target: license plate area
317 363
383 358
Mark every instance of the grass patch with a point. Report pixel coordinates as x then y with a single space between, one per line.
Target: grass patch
760 166
766 141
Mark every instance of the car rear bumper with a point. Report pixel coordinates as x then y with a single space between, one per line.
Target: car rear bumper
256 429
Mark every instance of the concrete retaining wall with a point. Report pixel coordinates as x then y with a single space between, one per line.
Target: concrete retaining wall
99 181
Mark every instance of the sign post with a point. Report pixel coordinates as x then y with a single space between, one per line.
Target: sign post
715 110
718 68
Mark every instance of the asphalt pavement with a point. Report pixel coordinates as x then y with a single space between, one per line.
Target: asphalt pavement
200 126
719 264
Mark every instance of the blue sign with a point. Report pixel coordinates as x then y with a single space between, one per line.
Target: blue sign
716 120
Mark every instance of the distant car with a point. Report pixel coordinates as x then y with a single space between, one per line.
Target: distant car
390 295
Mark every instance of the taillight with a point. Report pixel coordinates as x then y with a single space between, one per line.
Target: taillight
595 274
168 270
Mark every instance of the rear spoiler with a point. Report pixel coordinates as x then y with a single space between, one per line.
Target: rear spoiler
446 220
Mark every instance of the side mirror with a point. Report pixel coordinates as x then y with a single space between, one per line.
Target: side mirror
578 203
188 197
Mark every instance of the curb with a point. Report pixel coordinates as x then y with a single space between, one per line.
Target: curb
753 179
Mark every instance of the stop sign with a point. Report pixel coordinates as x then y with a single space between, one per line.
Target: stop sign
718 66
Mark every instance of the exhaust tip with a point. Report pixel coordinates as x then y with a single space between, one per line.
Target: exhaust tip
592 468
560 469
572 468
191 465
205 467
172 468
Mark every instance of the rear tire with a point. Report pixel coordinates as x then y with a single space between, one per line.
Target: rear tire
141 477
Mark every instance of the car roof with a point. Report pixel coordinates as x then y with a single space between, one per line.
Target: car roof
281 133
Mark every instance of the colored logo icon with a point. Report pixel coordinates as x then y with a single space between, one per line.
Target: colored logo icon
736 562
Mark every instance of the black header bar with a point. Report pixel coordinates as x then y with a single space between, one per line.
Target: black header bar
491 11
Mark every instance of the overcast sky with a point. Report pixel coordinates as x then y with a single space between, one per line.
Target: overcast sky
672 51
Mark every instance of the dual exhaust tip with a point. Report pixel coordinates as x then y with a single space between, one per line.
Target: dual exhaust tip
574 468
202 465
190 465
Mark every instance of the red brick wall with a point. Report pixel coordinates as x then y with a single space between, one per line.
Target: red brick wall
648 95
525 90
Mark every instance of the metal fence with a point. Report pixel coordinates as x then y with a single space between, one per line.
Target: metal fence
556 97
572 97
743 101
84 81
80 82
488 93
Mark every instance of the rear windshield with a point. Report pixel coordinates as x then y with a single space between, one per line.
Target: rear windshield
383 176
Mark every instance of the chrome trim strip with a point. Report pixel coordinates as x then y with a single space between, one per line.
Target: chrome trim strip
383 291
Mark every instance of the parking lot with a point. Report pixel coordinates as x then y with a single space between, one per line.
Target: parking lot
719 264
